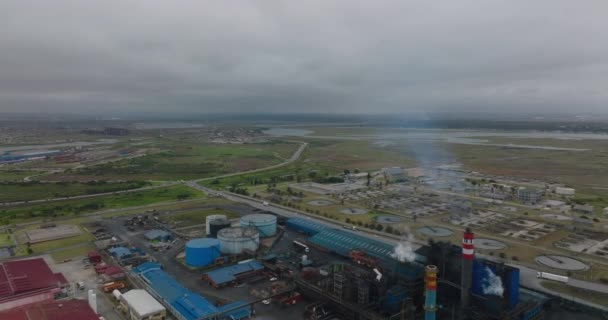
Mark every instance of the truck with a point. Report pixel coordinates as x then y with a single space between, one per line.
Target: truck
111 286
551 276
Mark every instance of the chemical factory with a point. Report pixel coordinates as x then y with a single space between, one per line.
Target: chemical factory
264 266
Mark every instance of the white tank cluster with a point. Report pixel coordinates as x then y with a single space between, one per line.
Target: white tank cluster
266 224
235 240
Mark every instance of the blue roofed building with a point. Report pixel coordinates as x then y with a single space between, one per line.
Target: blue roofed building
227 275
183 303
158 235
305 226
342 242
121 252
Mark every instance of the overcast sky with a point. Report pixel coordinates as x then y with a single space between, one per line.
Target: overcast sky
304 56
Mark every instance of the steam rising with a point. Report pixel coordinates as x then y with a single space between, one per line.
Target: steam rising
403 251
492 284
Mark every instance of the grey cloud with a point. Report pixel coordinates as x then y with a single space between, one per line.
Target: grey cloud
312 56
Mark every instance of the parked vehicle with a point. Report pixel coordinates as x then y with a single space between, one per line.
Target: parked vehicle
551 276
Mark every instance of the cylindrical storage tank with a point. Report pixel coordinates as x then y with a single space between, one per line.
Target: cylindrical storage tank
265 223
235 240
202 252
210 218
217 225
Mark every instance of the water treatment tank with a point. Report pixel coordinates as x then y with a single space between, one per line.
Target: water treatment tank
211 218
235 240
265 223
202 252
217 225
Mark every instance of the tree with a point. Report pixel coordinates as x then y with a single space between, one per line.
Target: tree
379 227
389 229
347 220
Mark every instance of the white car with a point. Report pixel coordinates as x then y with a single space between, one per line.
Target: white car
273 279
266 302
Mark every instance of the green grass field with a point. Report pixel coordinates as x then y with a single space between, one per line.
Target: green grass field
184 161
196 217
72 253
14 175
323 158
5 240
79 206
11 192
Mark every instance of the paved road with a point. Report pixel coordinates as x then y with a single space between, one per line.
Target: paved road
295 156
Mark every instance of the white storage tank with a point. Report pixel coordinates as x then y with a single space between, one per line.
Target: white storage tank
210 218
235 240
265 223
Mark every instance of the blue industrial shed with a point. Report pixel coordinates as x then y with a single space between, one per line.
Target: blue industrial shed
305 226
121 252
183 303
158 235
222 276
342 242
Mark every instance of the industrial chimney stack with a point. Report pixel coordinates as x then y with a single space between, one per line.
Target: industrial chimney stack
468 254
430 300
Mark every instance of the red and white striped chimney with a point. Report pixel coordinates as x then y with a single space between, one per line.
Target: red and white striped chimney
468 249
468 254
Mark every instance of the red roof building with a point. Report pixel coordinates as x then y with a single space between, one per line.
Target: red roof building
57 310
28 281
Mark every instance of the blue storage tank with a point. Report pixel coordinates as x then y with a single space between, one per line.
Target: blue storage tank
266 224
202 252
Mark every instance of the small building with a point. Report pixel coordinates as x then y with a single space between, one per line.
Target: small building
563 191
56 310
555 204
113 273
394 174
583 208
606 211
140 305
158 235
238 272
94 257
529 196
121 252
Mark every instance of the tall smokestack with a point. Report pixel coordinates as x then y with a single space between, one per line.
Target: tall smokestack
430 300
468 254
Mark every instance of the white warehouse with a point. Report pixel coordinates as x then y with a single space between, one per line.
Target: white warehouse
563 191
140 305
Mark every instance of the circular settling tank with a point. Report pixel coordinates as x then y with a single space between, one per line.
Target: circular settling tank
202 252
435 231
319 202
388 219
235 240
353 211
561 262
489 244
266 224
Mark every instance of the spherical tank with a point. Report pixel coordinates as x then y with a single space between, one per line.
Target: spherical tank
235 240
217 225
265 223
211 218
202 252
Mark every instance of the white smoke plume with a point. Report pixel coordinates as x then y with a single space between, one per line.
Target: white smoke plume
403 251
492 284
